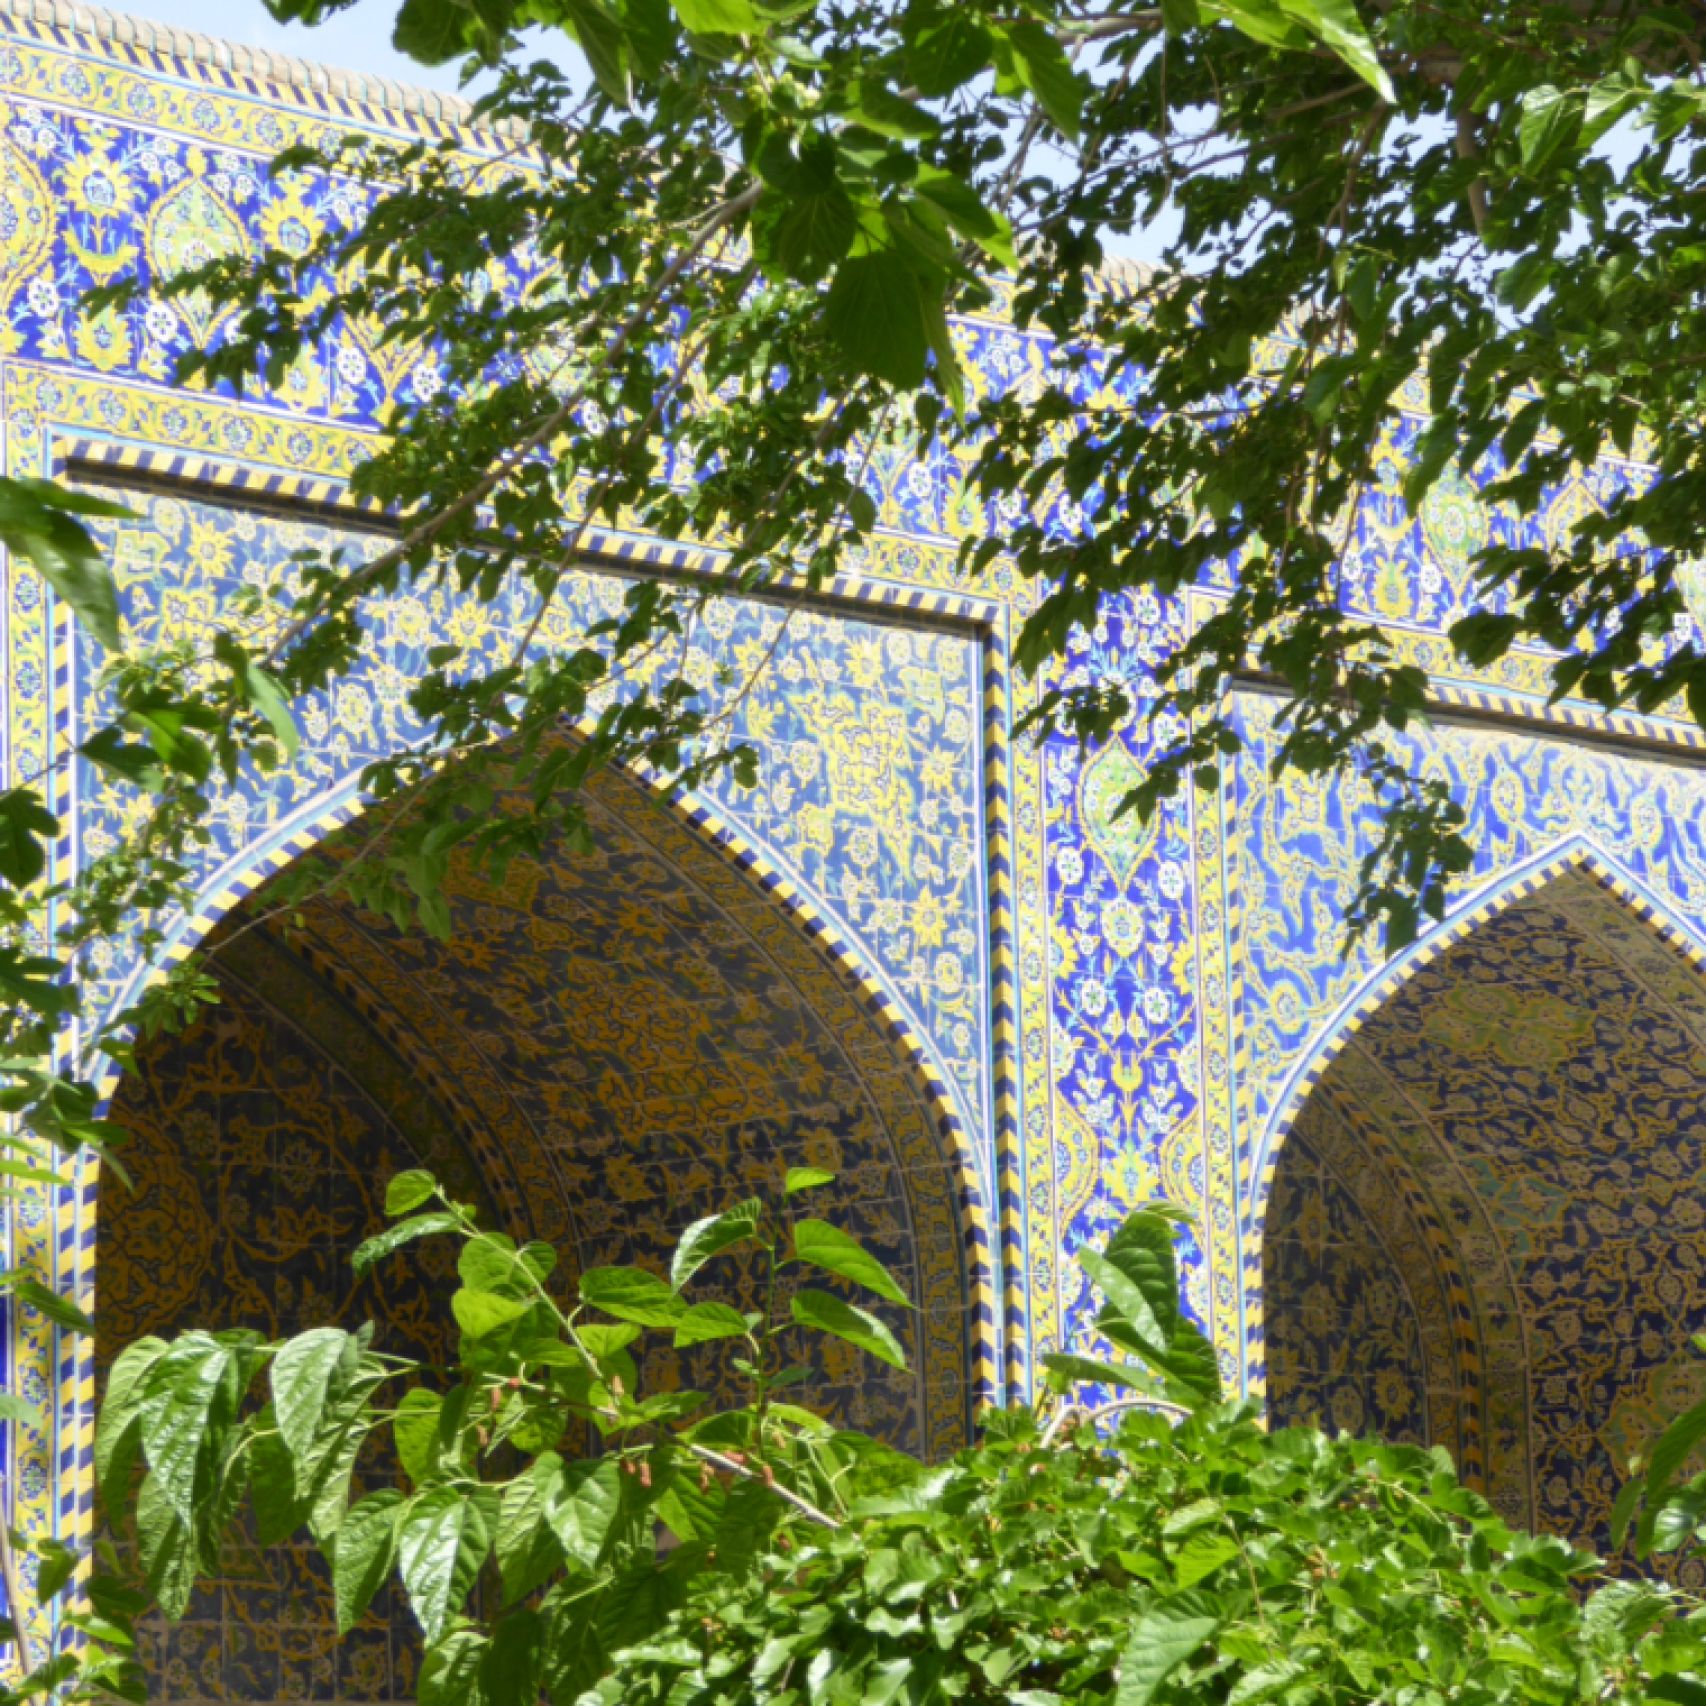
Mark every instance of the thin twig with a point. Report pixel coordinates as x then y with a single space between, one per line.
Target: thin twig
804 1506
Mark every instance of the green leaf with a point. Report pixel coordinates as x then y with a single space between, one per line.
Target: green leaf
718 17
948 52
268 698
828 1247
450 1670
58 1566
582 1508
875 315
1162 1639
362 1553
36 524
1130 1299
1041 65
26 829
482 1313
966 211
118 1433
526 1545
16 1409
166 1548
1335 24
432 31
1675 1446
706 1321
415 1428
632 1294
408 1191
179 1411
805 1179
301 1377
510 1672
857 1326
441 1543
61 1311
709 1237
1551 118
279 1511
394 1237
1073 1370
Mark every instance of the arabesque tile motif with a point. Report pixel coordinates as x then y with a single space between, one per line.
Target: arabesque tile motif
1078 1011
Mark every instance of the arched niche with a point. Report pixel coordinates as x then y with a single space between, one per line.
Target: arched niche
1485 1226
608 1046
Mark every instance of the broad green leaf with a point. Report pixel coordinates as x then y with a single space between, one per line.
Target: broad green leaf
301 1375
362 1553
415 1427
26 829
1675 1446
1551 118
325 1473
16 1409
441 1543
1335 24
1068 1371
526 1545
166 1548
118 1433
875 314
718 17
805 222
36 523
1201 1555
268 698
279 1511
394 1237
450 1670
582 1508
1041 65
1264 1681
709 1237
706 1321
948 51
805 1179
1126 1297
180 1409
632 1294
828 1247
61 1311
409 1190
1161 1640
58 1566
857 1326
1142 1249
482 1313
514 1661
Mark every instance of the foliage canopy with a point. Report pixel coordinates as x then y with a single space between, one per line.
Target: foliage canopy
1179 1552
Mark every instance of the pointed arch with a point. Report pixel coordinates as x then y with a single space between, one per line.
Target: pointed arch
1478 1144
746 911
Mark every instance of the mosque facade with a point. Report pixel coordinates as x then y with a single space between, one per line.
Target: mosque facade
1454 1197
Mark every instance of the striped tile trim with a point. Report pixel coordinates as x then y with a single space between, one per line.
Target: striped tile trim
280 492
1004 1020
